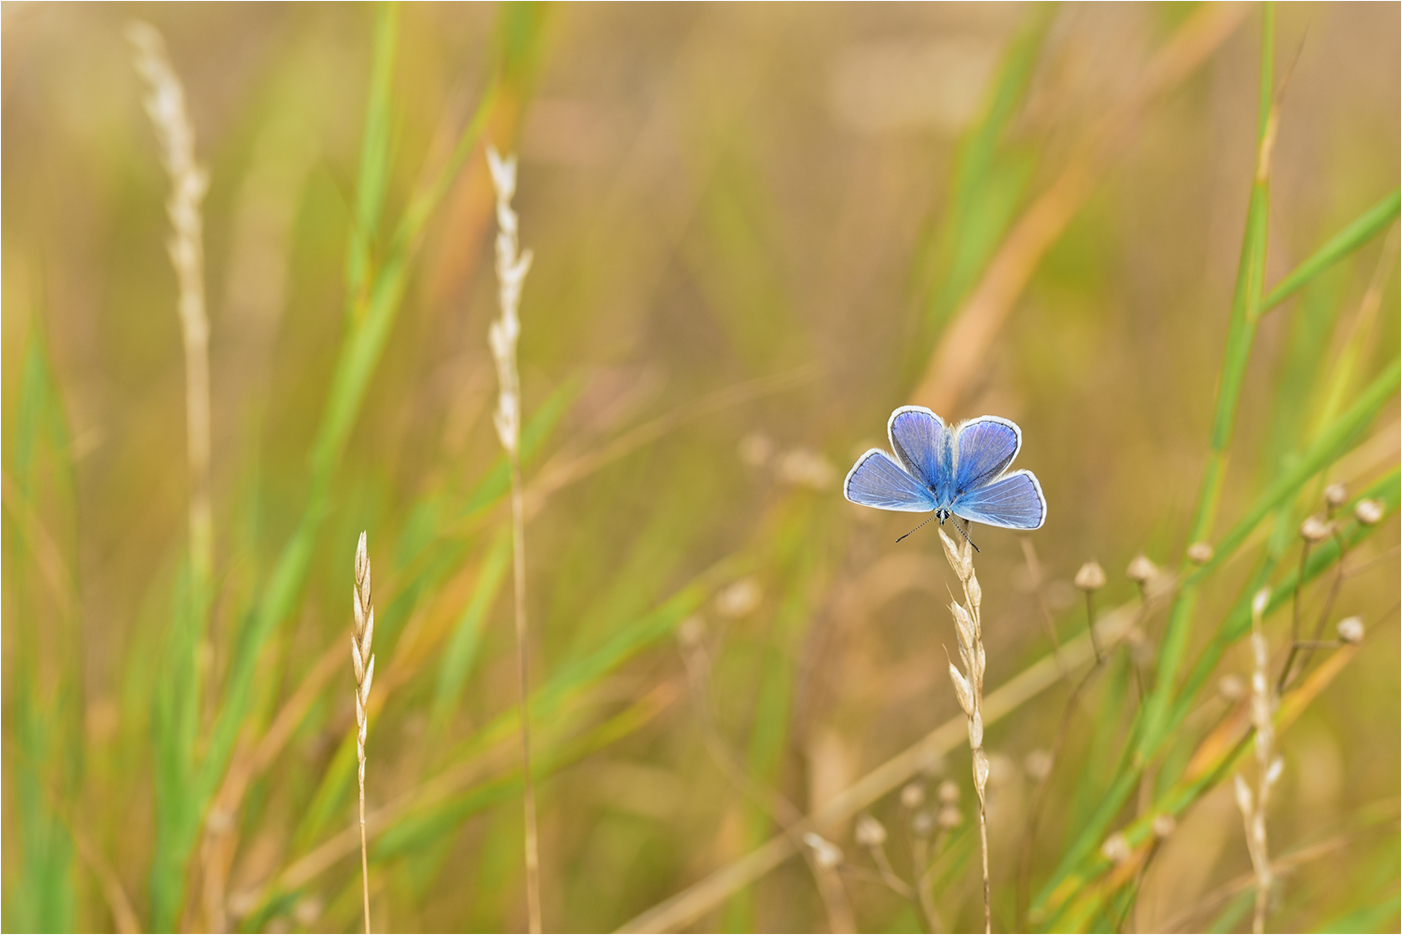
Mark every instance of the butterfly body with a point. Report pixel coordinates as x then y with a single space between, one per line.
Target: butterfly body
949 471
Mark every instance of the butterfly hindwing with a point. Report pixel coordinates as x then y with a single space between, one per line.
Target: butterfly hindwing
1014 501
877 480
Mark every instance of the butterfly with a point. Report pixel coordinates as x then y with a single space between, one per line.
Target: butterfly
955 471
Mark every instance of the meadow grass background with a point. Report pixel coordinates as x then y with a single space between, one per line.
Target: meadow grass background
754 227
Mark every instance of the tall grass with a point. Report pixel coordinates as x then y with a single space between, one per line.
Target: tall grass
732 285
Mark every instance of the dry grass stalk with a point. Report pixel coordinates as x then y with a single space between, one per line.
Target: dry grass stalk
963 344
165 103
968 685
1268 765
512 266
364 661
690 905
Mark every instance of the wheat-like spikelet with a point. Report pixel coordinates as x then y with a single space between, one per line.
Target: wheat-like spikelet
968 685
364 661
1268 765
165 103
512 266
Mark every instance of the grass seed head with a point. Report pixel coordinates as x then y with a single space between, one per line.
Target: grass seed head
913 795
1335 495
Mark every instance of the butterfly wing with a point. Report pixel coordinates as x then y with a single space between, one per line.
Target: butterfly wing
921 442
985 447
877 480
1013 502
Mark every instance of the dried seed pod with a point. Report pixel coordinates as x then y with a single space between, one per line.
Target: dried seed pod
1314 529
913 795
1116 849
869 831
1091 577
1231 687
1038 764
949 792
1164 824
827 854
1335 495
1200 553
1141 570
1369 512
1350 629
949 817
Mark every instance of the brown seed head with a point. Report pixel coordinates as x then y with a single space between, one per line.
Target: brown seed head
1141 570
1091 577
825 853
1231 687
1314 529
1200 553
1164 824
1038 764
1369 512
1335 495
1350 629
870 832
913 795
1116 848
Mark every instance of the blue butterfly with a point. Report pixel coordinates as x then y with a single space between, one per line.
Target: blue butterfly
952 471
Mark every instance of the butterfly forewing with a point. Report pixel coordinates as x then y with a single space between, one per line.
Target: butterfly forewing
985 446
921 442
877 480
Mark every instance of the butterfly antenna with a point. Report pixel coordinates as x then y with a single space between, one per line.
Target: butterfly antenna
964 532
922 526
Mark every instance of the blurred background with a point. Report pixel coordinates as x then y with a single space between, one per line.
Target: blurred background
757 229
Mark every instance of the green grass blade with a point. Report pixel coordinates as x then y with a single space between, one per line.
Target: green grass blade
989 180
461 652
1240 337
374 153
40 894
1367 226
1327 448
1082 859
1375 918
